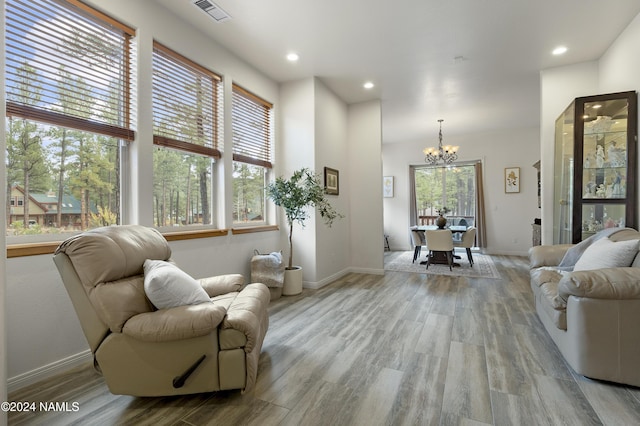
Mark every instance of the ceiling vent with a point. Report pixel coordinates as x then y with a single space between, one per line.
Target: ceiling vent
213 10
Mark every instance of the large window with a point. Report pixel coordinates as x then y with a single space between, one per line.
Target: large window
187 128
68 113
446 188
252 144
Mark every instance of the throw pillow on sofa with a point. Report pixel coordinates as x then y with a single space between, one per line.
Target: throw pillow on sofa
605 253
168 286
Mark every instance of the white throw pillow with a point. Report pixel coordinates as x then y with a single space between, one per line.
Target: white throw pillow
168 286
605 253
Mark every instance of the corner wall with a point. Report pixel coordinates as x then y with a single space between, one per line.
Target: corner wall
320 130
365 186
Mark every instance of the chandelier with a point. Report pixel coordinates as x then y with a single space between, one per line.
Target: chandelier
446 153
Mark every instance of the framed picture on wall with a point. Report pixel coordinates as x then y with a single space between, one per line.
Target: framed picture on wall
387 186
512 180
331 181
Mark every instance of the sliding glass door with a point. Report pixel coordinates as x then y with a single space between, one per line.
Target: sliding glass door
446 188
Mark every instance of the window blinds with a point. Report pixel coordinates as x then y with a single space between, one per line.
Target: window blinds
252 128
68 65
187 104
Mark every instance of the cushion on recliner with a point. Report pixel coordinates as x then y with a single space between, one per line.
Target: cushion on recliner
167 286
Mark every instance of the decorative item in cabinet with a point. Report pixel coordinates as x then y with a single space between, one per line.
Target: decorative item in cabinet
595 166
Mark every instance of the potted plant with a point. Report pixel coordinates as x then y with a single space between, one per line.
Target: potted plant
296 195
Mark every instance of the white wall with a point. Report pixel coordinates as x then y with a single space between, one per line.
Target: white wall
509 216
295 151
615 71
365 187
331 120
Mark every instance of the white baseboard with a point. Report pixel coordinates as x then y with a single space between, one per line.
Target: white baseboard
319 284
371 271
49 370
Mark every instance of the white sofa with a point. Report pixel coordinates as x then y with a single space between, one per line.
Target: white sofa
592 314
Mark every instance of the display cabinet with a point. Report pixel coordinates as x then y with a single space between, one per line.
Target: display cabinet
595 166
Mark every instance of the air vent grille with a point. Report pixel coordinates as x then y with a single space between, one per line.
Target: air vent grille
213 10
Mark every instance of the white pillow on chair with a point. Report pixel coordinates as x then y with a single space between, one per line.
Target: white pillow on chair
168 286
606 253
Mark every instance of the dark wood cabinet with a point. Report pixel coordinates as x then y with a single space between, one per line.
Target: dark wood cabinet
595 166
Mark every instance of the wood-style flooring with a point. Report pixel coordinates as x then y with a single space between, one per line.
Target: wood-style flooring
398 349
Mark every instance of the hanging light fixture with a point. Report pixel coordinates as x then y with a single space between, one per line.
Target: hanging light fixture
448 154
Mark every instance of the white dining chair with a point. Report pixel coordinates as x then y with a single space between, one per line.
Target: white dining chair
467 241
418 240
440 240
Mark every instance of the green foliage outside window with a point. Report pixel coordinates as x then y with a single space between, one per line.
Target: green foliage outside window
450 187
248 193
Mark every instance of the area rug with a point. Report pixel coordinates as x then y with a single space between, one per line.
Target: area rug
483 265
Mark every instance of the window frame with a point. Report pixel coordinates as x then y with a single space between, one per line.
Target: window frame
87 24
253 152
172 72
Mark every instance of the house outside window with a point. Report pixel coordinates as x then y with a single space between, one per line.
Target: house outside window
68 90
252 119
187 128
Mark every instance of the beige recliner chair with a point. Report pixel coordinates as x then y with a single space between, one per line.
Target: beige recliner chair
144 351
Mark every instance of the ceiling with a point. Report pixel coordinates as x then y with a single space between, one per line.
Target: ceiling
473 63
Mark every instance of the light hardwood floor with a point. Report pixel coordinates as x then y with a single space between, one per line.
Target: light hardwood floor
398 349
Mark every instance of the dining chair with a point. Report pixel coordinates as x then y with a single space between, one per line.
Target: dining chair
467 241
440 240
418 240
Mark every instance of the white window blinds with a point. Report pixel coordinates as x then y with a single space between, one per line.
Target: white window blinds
69 65
252 128
187 104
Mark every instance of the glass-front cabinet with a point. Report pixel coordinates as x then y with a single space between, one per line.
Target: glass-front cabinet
595 166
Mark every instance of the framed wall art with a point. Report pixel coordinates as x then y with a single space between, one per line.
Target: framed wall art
331 181
387 186
512 180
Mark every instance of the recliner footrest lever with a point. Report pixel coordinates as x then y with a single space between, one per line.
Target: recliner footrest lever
180 380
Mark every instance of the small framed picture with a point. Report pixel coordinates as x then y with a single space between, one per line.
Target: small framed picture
512 180
331 181
387 186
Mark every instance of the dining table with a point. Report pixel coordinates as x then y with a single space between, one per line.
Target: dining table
441 257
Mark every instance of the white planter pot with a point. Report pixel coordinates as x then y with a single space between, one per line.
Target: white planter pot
292 281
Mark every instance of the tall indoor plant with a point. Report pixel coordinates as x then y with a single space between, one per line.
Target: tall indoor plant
296 195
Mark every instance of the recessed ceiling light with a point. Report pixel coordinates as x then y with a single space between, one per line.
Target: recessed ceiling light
368 85
560 50
292 57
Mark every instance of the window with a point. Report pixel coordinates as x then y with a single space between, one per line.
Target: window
450 187
187 129
68 90
252 141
